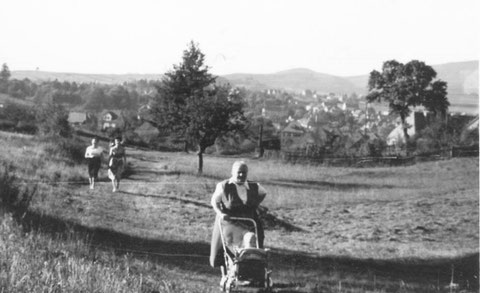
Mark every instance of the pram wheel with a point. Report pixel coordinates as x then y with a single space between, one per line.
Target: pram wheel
228 287
223 285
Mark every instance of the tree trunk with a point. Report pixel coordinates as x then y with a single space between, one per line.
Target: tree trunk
405 129
260 142
200 159
405 133
185 147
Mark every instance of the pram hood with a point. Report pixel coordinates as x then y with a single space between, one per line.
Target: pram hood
233 233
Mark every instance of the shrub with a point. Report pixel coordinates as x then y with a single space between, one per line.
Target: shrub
17 117
72 149
14 198
131 138
26 127
113 132
52 120
6 125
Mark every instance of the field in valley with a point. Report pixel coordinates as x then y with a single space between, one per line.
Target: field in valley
404 229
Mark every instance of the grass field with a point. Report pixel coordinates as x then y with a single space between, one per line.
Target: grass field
404 229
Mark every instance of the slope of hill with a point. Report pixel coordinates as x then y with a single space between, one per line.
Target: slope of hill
4 98
462 77
38 76
405 229
298 79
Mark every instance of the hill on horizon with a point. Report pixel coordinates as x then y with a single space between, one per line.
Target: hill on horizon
462 79
39 76
297 79
459 75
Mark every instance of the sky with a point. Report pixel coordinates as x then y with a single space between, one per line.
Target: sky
338 37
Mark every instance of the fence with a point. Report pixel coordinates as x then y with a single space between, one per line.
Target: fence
296 157
468 151
302 157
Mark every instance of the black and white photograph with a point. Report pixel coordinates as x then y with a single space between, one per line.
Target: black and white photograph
269 146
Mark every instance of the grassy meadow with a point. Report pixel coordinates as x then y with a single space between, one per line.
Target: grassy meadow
403 229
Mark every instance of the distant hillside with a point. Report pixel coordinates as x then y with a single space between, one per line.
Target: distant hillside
38 76
462 79
295 79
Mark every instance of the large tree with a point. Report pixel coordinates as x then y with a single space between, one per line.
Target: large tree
191 105
408 85
4 76
5 73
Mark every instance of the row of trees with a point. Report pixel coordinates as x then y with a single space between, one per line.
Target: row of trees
89 96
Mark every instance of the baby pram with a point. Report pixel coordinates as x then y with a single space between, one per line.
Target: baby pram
244 266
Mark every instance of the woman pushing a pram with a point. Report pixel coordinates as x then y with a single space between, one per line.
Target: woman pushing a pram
235 202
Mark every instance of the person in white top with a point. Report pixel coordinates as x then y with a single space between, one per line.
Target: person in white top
94 155
235 197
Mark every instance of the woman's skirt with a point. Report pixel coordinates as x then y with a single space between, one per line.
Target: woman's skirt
115 168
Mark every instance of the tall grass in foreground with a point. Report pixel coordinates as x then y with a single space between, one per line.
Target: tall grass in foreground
35 261
32 262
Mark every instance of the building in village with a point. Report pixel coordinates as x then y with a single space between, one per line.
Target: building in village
77 118
416 121
292 132
110 119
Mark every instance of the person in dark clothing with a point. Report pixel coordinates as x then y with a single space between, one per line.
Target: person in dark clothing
116 163
235 197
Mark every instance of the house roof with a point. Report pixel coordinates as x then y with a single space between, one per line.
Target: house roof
473 124
294 127
143 112
77 117
397 135
115 114
146 128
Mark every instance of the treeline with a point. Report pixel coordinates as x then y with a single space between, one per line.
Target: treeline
86 96
95 97
92 96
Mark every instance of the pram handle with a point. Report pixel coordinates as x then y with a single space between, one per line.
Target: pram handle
240 219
